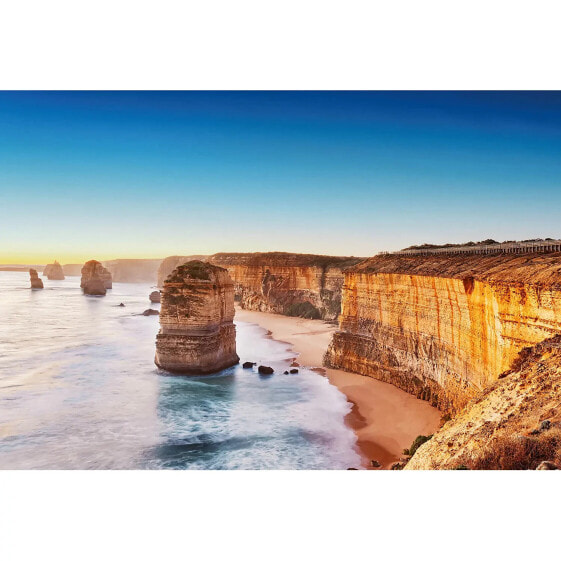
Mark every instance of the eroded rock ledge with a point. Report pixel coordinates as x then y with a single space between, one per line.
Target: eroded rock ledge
444 327
197 334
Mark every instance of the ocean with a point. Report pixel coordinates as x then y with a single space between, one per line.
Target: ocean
79 390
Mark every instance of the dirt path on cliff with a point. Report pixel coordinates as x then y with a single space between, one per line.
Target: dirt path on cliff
385 419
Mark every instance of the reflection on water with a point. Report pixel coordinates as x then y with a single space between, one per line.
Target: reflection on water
79 390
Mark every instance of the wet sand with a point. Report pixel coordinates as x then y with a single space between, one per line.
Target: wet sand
385 419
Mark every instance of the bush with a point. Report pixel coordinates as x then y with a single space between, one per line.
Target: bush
416 443
516 452
303 310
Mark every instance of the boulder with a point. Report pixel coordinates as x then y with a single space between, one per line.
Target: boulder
150 312
155 297
265 370
248 364
294 370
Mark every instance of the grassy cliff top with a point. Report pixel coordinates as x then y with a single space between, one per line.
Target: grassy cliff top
281 258
198 270
529 268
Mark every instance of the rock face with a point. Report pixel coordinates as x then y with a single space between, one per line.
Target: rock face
54 271
513 424
285 283
444 327
170 263
197 334
133 270
36 282
94 270
155 296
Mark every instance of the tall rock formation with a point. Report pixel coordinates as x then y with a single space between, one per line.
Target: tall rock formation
94 270
444 327
285 283
197 334
54 271
36 282
170 263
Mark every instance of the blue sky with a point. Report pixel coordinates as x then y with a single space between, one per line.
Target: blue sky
149 174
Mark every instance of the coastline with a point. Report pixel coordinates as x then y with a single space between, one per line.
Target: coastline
384 418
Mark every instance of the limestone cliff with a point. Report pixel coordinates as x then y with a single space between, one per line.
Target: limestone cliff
513 424
285 283
133 270
443 327
72 269
170 263
54 271
94 269
197 334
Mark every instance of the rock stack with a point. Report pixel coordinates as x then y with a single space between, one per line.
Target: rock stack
155 297
96 279
36 282
197 334
54 271
94 269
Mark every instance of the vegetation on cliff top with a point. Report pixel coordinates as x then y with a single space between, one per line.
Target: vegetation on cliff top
488 241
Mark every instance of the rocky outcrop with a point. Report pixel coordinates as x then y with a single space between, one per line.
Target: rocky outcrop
197 334
54 271
155 296
94 271
95 286
444 327
170 263
515 423
285 283
133 270
36 282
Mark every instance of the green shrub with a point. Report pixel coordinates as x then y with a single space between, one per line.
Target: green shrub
303 310
416 443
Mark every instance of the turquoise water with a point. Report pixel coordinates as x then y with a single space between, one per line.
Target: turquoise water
79 390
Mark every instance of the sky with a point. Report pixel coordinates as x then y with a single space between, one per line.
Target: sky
136 174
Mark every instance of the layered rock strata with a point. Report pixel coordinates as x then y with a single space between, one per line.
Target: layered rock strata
284 283
444 327
36 282
197 334
95 270
513 424
54 271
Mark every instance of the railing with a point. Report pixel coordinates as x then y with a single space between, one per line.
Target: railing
513 247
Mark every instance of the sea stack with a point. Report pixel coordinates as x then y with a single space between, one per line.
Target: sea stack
155 297
94 269
36 282
197 334
54 271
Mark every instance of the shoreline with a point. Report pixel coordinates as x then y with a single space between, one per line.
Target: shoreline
384 418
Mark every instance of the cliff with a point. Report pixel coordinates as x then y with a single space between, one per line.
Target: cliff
197 334
443 327
513 424
53 271
133 270
95 270
72 269
168 264
285 283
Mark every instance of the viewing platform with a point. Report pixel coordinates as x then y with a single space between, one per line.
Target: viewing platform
546 246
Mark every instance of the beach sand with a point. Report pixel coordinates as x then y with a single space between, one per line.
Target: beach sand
385 419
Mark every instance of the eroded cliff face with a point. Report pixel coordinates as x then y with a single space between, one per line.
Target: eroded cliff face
444 327
513 424
285 283
197 334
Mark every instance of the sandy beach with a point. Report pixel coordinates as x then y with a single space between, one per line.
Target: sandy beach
385 419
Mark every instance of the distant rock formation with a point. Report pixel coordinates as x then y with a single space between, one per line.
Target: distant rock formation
172 262
133 270
54 271
94 270
36 282
197 334
155 297
95 286
72 269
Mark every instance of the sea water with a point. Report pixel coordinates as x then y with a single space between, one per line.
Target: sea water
79 390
